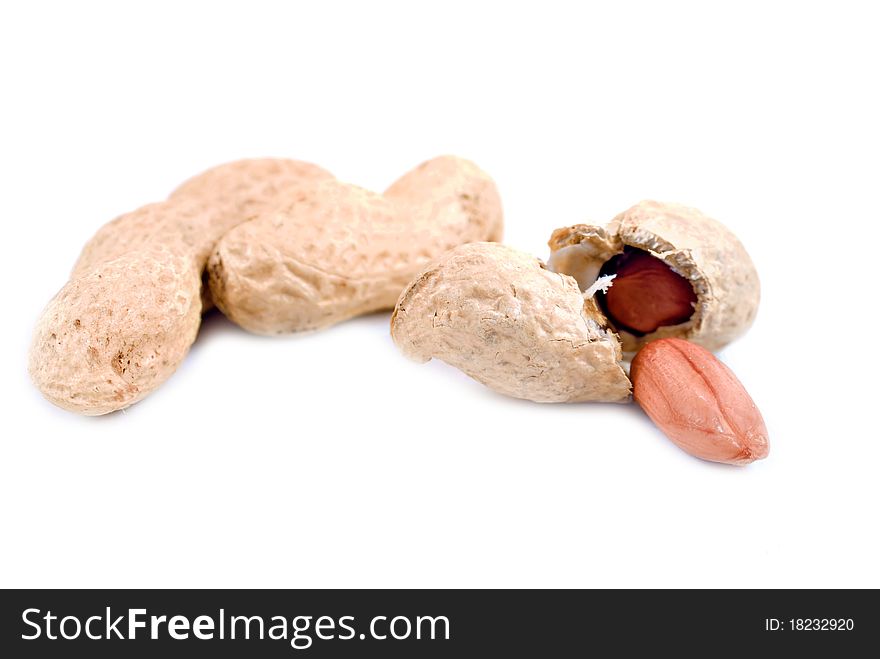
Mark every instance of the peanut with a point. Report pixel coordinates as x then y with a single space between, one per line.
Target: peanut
130 312
701 250
334 250
128 316
116 332
646 294
698 402
243 189
186 223
201 210
505 320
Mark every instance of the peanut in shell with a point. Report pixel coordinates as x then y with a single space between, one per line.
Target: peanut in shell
698 248
116 332
334 250
201 210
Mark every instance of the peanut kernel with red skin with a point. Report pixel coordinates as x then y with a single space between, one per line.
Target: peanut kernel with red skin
647 294
698 402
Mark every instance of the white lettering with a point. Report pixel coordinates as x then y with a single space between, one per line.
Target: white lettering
24 618
49 618
203 628
298 628
373 628
394 621
112 628
178 628
78 627
134 623
89 628
154 625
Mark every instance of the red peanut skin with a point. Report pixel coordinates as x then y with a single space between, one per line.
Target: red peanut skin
647 294
698 402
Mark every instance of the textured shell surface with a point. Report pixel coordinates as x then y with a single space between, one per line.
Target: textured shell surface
333 250
201 210
115 333
322 257
502 318
453 201
244 188
126 319
699 248
182 224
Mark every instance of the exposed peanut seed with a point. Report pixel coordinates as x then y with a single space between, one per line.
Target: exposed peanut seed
646 294
698 402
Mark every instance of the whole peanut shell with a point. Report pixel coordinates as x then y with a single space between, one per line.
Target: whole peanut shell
126 319
244 188
334 250
185 224
698 248
447 201
502 318
201 210
698 402
116 332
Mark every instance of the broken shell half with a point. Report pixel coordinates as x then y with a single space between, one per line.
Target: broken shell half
502 318
702 250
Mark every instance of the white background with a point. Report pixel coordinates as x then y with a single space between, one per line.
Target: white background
329 460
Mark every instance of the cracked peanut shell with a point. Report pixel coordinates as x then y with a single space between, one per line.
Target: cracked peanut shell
695 246
500 316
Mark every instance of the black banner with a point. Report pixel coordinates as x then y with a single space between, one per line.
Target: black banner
422 623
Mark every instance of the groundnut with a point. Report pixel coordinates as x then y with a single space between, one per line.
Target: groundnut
244 188
128 316
185 223
678 273
698 402
333 250
117 331
502 318
201 210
